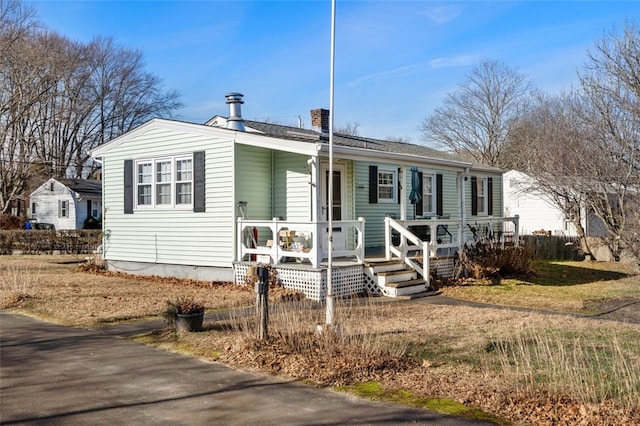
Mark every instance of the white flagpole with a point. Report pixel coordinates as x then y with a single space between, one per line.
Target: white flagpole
329 297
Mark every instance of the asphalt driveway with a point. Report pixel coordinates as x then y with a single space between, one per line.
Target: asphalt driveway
50 374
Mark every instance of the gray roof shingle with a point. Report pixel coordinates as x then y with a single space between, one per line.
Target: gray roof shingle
86 187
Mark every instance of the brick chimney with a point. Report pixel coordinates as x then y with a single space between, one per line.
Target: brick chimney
320 120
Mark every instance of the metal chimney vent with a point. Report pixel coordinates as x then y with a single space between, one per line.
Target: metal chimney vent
235 121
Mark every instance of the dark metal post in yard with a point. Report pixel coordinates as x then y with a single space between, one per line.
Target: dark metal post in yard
262 302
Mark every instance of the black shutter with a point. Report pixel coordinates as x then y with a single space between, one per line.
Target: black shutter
439 207
420 204
399 184
490 196
198 182
474 196
128 186
373 184
89 209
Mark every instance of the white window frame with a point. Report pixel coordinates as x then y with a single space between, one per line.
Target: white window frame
180 180
393 185
139 184
482 190
64 209
431 196
157 183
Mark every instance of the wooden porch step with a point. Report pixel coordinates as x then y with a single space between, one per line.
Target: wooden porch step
427 293
383 263
386 267
409 283
405 288
386 278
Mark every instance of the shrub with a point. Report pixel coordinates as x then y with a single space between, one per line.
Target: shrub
8 221
489 260
92 223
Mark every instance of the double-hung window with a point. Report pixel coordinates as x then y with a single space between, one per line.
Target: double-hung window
63 208
144 179
428 193
387 186
164 183
482 197
184 181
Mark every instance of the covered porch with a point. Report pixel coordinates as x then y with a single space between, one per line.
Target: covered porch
413 251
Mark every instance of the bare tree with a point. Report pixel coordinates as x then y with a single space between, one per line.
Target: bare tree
550 144
611 86
477 119
350 129
583 148
402 139
59 99
20 85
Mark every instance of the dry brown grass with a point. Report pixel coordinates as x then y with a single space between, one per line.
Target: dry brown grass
481 357
54 290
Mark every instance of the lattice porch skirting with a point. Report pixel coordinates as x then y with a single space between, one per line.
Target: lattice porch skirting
312 282
347 280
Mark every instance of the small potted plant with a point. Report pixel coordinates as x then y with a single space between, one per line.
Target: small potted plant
185 313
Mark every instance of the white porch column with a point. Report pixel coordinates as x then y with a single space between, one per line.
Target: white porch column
314 191
463 207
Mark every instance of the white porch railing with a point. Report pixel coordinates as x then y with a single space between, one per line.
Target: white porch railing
407 239
399 242
299 240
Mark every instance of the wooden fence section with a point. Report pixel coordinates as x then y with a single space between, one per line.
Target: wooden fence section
553 247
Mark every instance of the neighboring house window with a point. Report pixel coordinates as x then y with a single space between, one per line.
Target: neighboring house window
164 182
63 208
387 186
51 186
33 210
481 196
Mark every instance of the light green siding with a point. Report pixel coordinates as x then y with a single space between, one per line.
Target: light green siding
292 191
376 212
171 236
497 195
254 181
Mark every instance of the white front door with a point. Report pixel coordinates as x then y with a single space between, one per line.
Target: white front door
339 205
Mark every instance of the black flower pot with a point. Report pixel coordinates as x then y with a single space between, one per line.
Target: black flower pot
189 322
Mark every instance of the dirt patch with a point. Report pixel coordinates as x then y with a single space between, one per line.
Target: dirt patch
626 309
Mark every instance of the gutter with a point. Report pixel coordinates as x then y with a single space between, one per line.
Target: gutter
409 159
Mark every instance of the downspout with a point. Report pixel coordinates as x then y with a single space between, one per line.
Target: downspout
313 179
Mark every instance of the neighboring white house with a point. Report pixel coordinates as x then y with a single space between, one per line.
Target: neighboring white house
67 203
202 200
538 214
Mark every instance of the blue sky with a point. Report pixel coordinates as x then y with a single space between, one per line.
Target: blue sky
395 60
